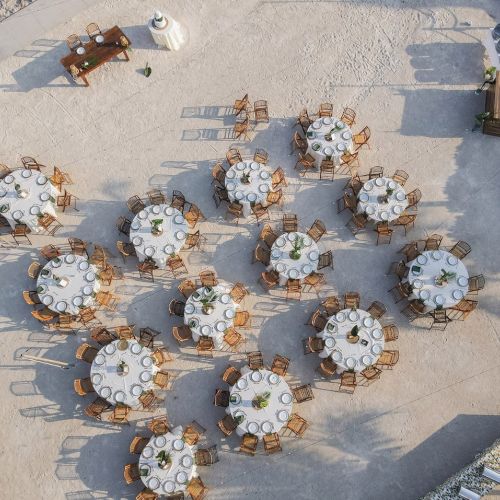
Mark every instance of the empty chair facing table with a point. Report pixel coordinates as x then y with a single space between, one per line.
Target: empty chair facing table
294 256
328 138
122 371
438 279
157 232
209 312
382 199
352 349
261 402
67 283
248 183
25 195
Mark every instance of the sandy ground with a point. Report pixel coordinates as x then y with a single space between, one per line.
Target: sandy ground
9 7
409 69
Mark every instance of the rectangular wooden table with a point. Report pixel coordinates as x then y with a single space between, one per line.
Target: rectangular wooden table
96 54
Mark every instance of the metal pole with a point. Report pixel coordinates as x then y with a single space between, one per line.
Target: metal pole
46 361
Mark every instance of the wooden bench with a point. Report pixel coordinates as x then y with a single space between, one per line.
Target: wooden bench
96 54
492 105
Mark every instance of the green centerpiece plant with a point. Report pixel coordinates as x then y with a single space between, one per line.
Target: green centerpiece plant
208 300
261 401
444 277
353 336
297 246
156 227
164 460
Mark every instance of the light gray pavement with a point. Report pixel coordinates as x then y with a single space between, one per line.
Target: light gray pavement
409 69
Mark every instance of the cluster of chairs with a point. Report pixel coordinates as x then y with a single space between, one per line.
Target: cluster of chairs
349 162
192 435
149 400
67 323
233 339
296 425
234 208
244 110
262 254
74 41
328 368
191 213
358 221
416 308
47 222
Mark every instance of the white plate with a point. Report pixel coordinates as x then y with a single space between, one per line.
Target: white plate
169 211
105 392
145 376
400 196
242 383
17 214
354 316
436 255
206 329
251 197
179 219
160 441
70 258
368 186
377 333
147 452
77 301
168 486
267 427
41 180
384 215
35 210
397 209
462 281
370 210
293 273
340 317
96 378
230 186
424 294
153 483
26 173
178 445
379 181
169 249
110 348
366 360
254 165
240 166
90 276
225 298
220 326
280 242
229 313
391 184
136 348
452 260
180 235
346 135
149 251
252 427
8 179
286 398
283 416
307 269
142 214
136 241
316 125
280 267
337 356
189 308
327 120
273 379
328 151
368 321
350 362
187 461
87 290
156 209
80 51
256 376
47 300
457 294
264 188
264 175
313 255
422 260
292 236
99 359
341 146
230 174
376 349
56 262
439 300
136 390
61 306
44 196
120 396
99 39
418 284
330 342
147 361
363 197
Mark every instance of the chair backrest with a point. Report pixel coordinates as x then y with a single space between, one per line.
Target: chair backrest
255 360
414 197
73 42
348 116
261 156
325 109
351 300
476 283
159 425
187 287
461 249
290 223
262 255
93 30
317 230
233 156
208 278
238 292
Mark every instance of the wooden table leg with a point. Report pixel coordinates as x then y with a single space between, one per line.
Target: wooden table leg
126 55
84 78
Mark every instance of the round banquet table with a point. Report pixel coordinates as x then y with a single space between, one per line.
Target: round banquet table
123 388
363 353
255 191
289 268
67 283
217 321
423 271
37 196
320 147
181 469
265 420
158 247
373 202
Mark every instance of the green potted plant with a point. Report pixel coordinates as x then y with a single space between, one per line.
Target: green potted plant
164 460
207 301
353 336
480 119
297 246
238 419
261 401
156 228
490 73
443 278
245 178
122 368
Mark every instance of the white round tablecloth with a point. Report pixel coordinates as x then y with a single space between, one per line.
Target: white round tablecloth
289 268
40 197
214 324
370 202
255 191
161 247
67 283
349 356
181 470
320 148
117 388
423 271
266 420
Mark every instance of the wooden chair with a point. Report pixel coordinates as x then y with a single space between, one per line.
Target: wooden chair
193 433
107 300
31 297
205 347
161 355
242 319
97 408
234 210
399 269
34 270
233 338
65 323
178 200
261 156
347 382
261 113
307 162
370 374
31 164
20 233
102 335
440 319
327 368
303 393
135 204
275 198
461 310
293 289
176 266
227 425
280 365
147 336
351 300
362 138
327 168
317 230
278 178
384 233
400 176
131 473
376 172
376 309
325 260
87 316
355 184
221 398
233 156
93 30
156 197
413 310
99 257
433 242
206 456
271 443
219 174
58 178
231 375
314 280
208 278
159 426
147 494
407 221
176 308
111 273
317 320
149 400
241 129
255 360
297 425
331 305
290 223
241 105
299 143
197 489
83 386
73 42
269 279
261 254
194 240
410 251
260 212
162 379
238 292
268 235
86 352
125 332
348 116
414 197
249 444
49 224
45 315
67 200
50 252
461 249
182 333
303 120
357 223
193 214
349 164
313 344
325 109
4 170
78 246
391 332
120 414
388 359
